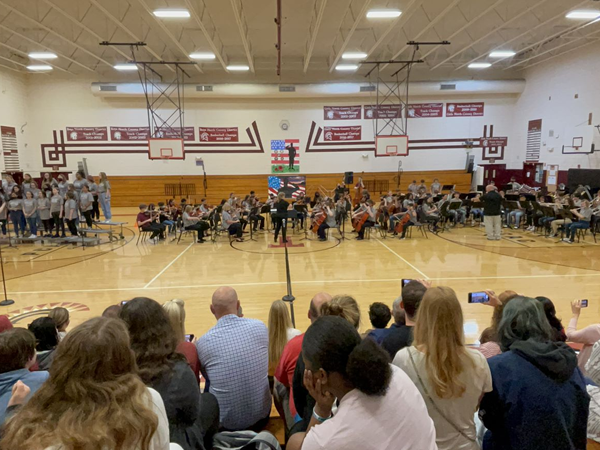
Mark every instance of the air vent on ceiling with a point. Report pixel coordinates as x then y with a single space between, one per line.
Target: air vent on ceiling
447 87
367 89
204 88
287 88
104 88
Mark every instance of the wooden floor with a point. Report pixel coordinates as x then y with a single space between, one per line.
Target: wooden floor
88 280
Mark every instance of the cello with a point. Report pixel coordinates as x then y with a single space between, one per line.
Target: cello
358 196
399 228
318 220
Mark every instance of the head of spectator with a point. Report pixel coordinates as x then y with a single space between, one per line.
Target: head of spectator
504 298
61 318
46 335
379 315
487 335
523 319
240 311
176 312
314 310
112 312
5 324
17 350
152 337
94 398
279 325
343 306
412 294
555 323
224 302
398 313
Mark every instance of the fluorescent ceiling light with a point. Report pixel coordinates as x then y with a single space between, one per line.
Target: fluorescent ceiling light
590 14
125 67
172 13
354 55
502 54
39 68
238 68
383 13
346 67
203 55
42 55
481 65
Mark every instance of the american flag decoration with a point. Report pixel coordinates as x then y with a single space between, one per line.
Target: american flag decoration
279 154
292 186
10 150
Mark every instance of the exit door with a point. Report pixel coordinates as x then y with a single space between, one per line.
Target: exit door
533 174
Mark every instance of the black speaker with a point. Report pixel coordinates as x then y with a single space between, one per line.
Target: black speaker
349 177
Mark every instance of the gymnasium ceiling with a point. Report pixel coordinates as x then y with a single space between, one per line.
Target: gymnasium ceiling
315 33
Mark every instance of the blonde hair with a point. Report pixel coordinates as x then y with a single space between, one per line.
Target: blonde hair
60 317
343 306
281 195
279 322
188 208
175 310
438 333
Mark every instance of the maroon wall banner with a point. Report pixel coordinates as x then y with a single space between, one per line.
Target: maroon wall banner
87 134
464 109
342 112
383 111
10 151
425 110
494 141
217 134
534 140
175 133
343 133
129 133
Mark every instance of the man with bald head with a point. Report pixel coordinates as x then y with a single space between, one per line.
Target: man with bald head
492 205
234 359
284 373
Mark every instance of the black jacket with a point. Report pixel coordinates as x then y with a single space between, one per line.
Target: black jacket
492 203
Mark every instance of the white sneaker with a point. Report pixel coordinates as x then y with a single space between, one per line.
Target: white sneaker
33 236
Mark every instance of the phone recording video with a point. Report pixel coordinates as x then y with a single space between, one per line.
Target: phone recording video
189 337
405 281
584 303
478 297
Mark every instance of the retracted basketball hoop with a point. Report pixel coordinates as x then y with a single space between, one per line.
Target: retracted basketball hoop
160 148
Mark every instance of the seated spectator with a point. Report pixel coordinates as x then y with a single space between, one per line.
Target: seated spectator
380 411
280 333
176 312
112 312
284 374
192 418
592 368
398 313
450 377
379 315
46 335
61 319
5 324
557 327
401 336
539 398
491 346
93 398
234 357
17 355
588 336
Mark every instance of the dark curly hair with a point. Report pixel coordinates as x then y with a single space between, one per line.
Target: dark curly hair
555 323
331 343
379 314
153 339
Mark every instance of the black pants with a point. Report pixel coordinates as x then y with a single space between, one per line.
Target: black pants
406 225
72 226
95 208
200 227
47 225
278 222
255 219
157 229
321 230
88 217
59 223
235 228
367 224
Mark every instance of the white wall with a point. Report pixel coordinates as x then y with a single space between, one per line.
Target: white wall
13 106
549 95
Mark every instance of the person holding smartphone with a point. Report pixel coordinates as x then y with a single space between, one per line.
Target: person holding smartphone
587 336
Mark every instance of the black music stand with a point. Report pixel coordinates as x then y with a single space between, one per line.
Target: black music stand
6 301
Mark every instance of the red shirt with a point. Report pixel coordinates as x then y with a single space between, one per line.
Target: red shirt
188 350
287 364
142 217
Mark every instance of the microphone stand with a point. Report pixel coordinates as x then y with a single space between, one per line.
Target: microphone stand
289 298
6 301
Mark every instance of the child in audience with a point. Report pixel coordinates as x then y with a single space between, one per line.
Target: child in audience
30 212
61 319
379 315
71 213
280 332
379 407
46 335
17 355
43 207
450 377
176 312
93 399
57 212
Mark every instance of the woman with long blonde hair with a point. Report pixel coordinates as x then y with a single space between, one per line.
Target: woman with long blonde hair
93 398
451 378
175 310
280 332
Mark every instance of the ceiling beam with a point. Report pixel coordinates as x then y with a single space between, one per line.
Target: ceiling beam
14 62
494 30
593 41
164 28
54 33
430 25
240 18
313 30
11 68
37 44
16 50
214 41
357 19
529 30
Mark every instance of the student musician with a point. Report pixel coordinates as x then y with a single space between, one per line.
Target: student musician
192 223
94 190
412 220
255 216
432 214
86 204
71 213
57 212
460 214
301 209
62 186
47 183
435 187
281 206
79 182
368 209
413 187
164 217
422 189
231 223
329 222
147 221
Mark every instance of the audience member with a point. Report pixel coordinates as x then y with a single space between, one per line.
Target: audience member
539 398
558 330
401 336
491 346
280 333
17 355
398 313
46 335
592 368
379 315
192 417
5 324
93 398
176 312
450 377
234 357
344 306
61 319
588 336
284 374
369 416
112 312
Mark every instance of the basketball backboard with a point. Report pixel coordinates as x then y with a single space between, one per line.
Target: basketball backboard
165 149
391 146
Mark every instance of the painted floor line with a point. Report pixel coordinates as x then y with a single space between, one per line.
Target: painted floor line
404 260
167 266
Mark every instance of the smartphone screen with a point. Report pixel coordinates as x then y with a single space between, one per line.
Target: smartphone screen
123 302
478 297
189 337
584 303
405 281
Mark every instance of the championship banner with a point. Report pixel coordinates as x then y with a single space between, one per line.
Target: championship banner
129 133
342 112
87 134
464 109
383 112
282 152
218 134
342 133
425 110
175 133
